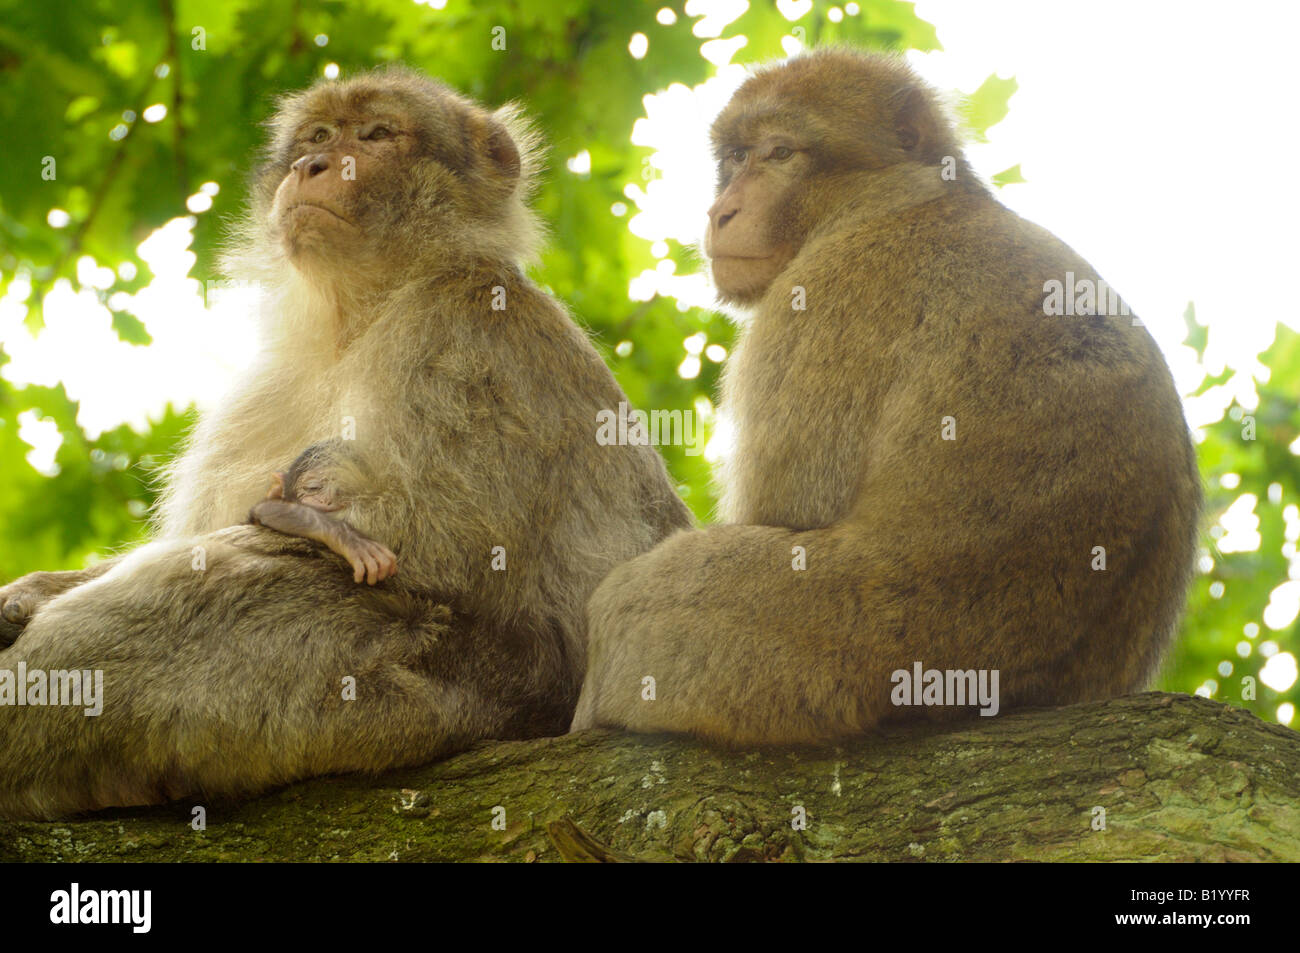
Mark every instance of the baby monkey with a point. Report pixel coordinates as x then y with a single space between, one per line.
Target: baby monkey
299 503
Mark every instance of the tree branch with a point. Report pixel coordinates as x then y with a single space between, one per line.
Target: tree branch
1179 778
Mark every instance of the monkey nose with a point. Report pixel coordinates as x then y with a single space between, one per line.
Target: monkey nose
310 166
721 214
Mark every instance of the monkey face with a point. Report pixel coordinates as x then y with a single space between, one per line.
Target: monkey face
801 143
752 235
307 479
325 205
771 161
387 159
311 489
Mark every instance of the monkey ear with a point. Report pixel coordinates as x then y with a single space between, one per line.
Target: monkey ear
915 121
493 142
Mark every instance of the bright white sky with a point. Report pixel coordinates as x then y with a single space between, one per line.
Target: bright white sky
1157 138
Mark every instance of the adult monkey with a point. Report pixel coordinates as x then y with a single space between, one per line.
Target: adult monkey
924 319
387 224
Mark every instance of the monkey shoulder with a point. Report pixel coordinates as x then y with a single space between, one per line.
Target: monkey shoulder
527 372
569 368
958 275
936 318
582 396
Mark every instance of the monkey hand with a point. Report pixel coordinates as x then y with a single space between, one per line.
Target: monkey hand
21 598
371 561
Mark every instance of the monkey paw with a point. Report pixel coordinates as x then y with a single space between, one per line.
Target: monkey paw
371 561
21 598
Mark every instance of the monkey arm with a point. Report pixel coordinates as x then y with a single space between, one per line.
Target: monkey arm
370 560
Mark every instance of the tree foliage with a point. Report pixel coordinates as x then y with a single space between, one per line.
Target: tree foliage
77 83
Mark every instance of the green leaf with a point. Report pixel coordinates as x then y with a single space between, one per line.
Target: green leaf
1009 176
988 105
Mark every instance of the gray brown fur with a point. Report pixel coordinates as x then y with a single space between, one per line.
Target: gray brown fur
924 300
474 428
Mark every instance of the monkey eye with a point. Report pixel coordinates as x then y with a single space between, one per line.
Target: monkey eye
379 132
320 135
781 153
738 155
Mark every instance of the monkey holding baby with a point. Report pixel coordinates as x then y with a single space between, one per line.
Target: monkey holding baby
395 312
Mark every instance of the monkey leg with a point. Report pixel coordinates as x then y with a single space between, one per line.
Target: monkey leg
748 634
716 632
263 667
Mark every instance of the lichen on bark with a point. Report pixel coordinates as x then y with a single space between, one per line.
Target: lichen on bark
1172 777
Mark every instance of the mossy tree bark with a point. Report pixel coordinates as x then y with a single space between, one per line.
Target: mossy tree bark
1173 778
